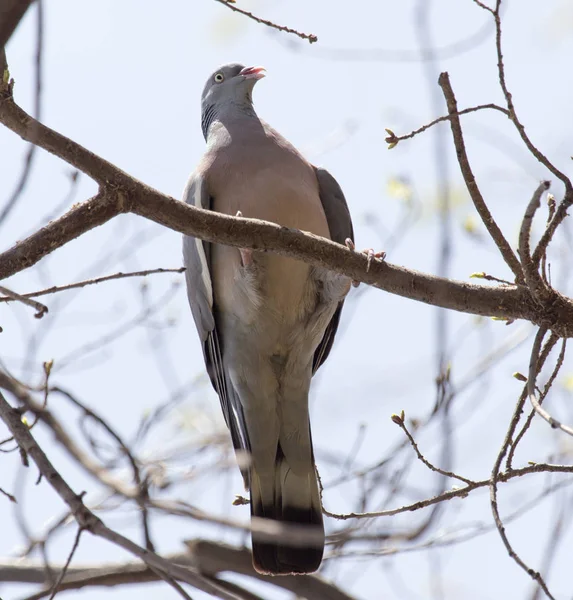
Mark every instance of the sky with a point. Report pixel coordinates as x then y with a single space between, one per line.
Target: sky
124 79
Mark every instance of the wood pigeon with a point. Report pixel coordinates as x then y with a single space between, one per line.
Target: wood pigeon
266 322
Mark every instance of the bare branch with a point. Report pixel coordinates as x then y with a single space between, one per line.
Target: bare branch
473 189
41 309
209 557
511 107
66 566
399 420
547 387
533 370
123 194
142 491
86 519
532 277
567 201
457 492
305 36
9 496
92 467
80 284
393 139
496 476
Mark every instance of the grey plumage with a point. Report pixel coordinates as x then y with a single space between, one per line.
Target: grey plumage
266 322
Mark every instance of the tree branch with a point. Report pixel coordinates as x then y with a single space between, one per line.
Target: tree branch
567 201
532 277
304 36
534 368
86 519
393 139
120 193
473 189
41 309
80 284
206 556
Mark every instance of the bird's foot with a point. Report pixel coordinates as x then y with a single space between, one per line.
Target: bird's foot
246 256
370 256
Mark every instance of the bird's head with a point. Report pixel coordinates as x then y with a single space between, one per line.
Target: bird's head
232 83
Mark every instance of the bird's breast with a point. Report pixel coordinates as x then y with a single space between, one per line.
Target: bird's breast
274 185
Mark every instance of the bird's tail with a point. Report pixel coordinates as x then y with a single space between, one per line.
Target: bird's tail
291 499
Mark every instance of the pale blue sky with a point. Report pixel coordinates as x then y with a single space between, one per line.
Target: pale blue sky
124 79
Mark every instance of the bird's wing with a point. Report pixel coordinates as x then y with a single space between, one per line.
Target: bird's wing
340 227
196 257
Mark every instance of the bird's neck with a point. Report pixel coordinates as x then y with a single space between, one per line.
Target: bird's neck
228 115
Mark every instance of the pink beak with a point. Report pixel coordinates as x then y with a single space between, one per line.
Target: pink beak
253 72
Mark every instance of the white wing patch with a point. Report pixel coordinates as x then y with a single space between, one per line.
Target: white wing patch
205 275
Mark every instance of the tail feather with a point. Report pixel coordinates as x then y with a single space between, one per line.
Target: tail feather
288 499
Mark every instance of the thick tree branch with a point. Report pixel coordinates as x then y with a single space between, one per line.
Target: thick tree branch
121 193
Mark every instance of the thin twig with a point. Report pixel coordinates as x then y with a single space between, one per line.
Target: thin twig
496 476
305 36
140 482
533 369
538 287
547 387
567 200
399 420
484 6
555 536
393 139
41 309
457 492
9 496
67 564
80 284
511 107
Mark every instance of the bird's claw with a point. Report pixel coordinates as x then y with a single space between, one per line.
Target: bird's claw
370 256
246 256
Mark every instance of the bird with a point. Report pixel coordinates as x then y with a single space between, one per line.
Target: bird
266 322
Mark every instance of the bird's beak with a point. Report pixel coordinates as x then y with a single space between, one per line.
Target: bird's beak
255 73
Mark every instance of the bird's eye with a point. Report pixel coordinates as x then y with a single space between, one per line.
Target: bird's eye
219 77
